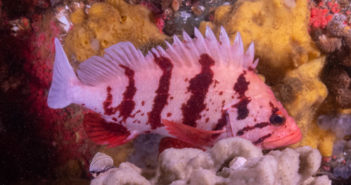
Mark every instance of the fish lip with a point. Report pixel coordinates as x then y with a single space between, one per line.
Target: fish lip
292 138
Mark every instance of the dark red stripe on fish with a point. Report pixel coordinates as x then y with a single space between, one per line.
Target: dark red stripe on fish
242 109
248 128
241 85
127 105
222 121
261 139
198 88
108 101
160 100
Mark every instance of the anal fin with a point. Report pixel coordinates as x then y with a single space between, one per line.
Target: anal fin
105 133
197 137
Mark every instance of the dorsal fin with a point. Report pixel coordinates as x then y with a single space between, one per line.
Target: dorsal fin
182 53
186 52
96 69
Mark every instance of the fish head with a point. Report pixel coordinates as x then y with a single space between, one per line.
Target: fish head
258 116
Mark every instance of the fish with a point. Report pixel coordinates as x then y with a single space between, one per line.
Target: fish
198 90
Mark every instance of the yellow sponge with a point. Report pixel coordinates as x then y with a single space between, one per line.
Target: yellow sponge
279 29
106 24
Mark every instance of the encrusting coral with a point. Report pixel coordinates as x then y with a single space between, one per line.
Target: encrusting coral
230 161
279 29
106 24
302 92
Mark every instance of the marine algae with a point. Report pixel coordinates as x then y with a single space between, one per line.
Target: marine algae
106 24
302 93
279 29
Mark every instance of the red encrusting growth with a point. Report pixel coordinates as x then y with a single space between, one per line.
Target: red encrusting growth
104 133
127 105
198 88
62 129
322 13
162 93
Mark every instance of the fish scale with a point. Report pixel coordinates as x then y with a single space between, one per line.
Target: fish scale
197 90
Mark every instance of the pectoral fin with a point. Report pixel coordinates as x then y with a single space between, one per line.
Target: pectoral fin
105 133
197 137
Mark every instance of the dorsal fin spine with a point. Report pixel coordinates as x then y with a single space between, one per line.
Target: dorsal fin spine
225 45
249 55
200 41
173 53
190 42
213 44
181 53
185 52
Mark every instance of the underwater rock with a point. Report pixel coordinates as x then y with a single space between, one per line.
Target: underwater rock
338 167
279 29
146 147
108 23
189 166
339 124
334 39
302 92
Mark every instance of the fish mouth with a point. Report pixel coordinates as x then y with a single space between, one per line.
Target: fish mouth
271 143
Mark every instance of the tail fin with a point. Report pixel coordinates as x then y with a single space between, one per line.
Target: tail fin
63 75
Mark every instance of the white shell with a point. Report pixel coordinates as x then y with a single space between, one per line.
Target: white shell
100 163
237 162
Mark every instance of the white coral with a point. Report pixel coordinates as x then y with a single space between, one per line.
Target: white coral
236 161
232 161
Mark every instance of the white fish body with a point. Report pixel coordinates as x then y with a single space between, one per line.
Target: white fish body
207 87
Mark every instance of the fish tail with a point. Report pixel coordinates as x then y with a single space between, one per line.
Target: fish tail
62 80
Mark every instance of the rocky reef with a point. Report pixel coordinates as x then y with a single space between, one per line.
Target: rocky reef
304 51
229 161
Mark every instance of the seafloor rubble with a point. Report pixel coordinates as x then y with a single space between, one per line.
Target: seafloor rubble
232 161
304 50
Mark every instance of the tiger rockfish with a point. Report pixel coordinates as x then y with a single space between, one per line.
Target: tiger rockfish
197 90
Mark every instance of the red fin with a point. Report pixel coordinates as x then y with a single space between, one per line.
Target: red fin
169 142
196 136
104 133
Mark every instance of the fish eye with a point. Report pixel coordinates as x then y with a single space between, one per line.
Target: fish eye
277 119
